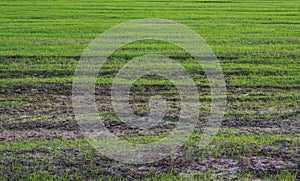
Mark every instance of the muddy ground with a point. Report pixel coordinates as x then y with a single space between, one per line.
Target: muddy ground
46 113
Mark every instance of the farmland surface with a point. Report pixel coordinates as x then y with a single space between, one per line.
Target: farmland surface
256 42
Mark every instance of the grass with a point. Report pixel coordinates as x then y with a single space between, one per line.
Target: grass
256 42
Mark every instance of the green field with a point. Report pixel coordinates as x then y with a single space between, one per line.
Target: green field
256 42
